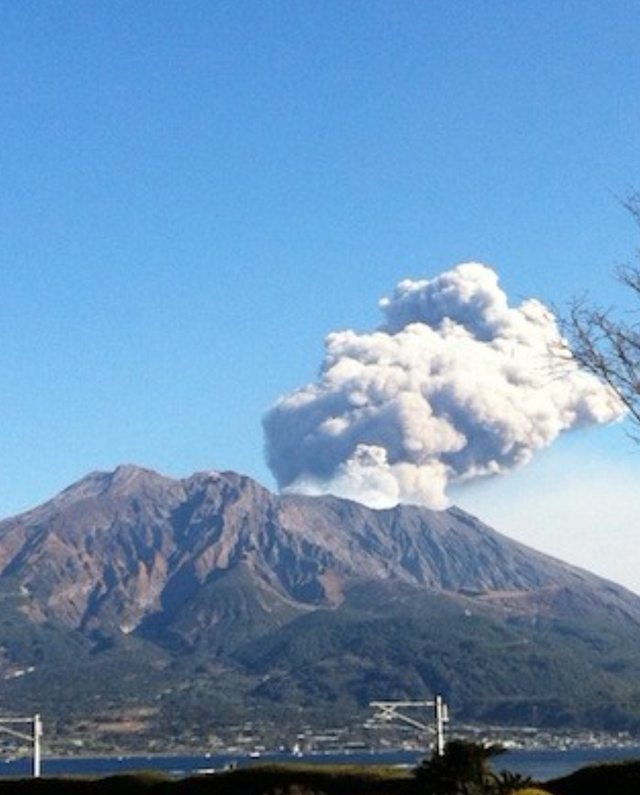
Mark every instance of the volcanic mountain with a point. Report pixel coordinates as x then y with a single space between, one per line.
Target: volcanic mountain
181 599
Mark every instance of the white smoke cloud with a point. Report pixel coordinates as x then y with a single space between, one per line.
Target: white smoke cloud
454 385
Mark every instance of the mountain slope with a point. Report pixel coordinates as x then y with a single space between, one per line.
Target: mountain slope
116 549
293 601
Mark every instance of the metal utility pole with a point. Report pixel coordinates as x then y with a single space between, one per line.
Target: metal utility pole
391 711
35 737
37 750
441 716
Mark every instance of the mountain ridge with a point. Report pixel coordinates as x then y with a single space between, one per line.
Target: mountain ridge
287 597
135 530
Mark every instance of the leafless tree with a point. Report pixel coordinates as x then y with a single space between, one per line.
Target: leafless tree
607 342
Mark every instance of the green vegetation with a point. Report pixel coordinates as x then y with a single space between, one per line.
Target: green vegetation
492 670
464 769
255 780
321 669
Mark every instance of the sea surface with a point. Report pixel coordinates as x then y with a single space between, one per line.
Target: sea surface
541 765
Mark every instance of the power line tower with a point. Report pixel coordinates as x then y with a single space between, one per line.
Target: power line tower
388 712
34 737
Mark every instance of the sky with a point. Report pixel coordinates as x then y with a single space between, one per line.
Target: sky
194 195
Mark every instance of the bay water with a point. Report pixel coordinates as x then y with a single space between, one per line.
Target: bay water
540 764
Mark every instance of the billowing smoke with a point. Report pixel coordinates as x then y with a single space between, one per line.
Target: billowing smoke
456 384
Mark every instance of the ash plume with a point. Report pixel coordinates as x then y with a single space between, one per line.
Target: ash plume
454 385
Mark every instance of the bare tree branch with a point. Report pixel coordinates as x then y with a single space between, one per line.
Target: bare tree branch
607 343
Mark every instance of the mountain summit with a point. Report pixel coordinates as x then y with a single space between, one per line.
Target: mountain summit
117 550
296 600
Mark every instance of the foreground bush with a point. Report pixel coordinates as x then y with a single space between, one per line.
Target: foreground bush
464 769
256 780
612 778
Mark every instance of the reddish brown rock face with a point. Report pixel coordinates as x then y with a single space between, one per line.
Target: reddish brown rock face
118 549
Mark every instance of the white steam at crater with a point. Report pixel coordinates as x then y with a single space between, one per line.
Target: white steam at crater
454 385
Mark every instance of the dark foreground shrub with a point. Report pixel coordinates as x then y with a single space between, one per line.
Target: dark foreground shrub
614 778
144 783
301 780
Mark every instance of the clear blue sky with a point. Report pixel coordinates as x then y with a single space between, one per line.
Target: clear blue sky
193 194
